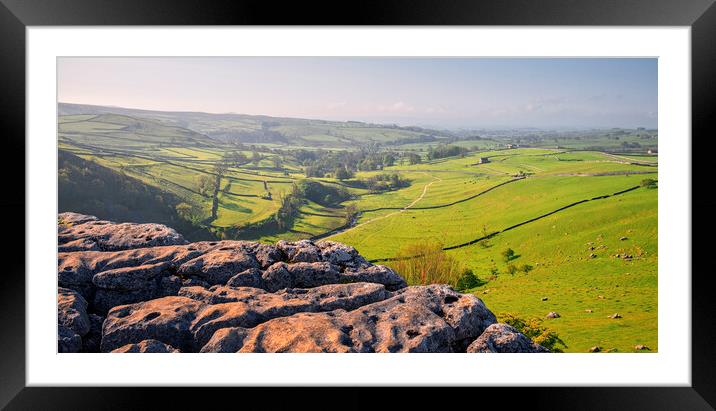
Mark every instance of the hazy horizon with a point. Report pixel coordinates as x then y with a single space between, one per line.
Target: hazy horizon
448 93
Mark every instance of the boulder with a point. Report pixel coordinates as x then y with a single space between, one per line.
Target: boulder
166 319
217 266
503 338
303 251
127 285
341 254
375 274
248 278
76 270
77 232
72 311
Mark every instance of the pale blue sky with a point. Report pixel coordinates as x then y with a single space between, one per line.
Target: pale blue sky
445 92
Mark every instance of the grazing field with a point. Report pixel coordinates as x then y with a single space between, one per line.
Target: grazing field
581 221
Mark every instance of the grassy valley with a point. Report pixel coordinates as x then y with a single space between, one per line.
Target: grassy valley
578 209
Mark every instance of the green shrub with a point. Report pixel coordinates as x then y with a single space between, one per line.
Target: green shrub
649 183
534 329
508 254
425 262
467 281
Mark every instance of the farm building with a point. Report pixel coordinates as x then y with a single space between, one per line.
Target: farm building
483 160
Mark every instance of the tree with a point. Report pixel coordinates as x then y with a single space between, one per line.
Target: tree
277 162
388 160
205 184
414 159
342 173
236 158
648 183
350 213
221 167
485 234
191 212
508 254
467 281
256 158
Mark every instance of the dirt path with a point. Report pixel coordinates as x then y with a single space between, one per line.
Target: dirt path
512 227
353 224
420 197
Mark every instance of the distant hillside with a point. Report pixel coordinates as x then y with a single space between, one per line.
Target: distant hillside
87 187
123 131
271 130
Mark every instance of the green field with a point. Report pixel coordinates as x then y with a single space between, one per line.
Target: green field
562 208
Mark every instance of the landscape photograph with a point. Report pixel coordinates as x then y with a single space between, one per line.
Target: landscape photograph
357 205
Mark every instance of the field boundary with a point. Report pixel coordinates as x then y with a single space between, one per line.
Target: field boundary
370 210
512 227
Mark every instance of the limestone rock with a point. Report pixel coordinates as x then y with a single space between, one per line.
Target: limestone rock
72 311
67 340
219 265
416 319
78 232
148 346
503 338
166 319
121 292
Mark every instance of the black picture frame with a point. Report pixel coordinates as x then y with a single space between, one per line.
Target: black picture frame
16 15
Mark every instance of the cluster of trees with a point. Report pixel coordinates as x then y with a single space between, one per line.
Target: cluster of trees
314 191
192 212
385 182
290 204
445 150
649 183
322 194
343 164
414 158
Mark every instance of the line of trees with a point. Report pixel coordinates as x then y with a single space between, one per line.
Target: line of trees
384 182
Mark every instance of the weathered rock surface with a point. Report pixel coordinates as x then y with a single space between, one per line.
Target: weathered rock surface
150 346
72 311
80 232
503 338
416 319
121 292
73 321
68 340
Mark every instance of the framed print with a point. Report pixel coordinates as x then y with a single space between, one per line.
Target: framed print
468 195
